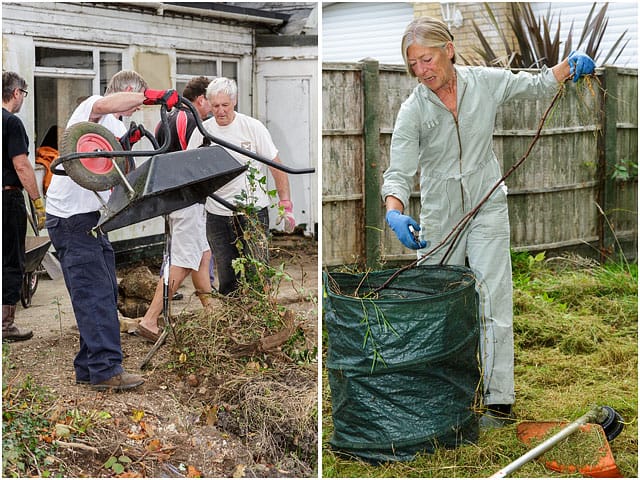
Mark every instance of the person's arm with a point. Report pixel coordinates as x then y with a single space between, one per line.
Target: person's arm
284 195
576 65
561 71
392 203
282 181
27 175
120 102
116 103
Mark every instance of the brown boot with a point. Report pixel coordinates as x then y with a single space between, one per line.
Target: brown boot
11 333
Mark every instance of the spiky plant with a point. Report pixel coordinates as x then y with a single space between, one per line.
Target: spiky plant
536 44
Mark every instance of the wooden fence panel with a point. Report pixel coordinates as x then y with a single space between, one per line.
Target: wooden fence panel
554 197
342 165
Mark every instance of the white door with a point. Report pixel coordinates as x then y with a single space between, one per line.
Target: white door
287 118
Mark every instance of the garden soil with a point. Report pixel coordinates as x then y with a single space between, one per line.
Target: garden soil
166 426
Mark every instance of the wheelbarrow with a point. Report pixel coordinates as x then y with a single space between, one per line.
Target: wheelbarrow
35 250
164 183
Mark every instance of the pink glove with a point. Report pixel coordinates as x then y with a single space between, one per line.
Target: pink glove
287 216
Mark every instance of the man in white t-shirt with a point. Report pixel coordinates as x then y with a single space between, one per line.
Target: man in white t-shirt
87 259
225 227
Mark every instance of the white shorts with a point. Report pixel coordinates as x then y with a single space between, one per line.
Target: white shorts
188 236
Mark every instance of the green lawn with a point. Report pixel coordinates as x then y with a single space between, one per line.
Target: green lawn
576 345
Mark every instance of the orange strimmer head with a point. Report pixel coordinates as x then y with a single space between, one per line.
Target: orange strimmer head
597 462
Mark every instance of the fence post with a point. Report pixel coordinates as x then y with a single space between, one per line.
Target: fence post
371 132
609 159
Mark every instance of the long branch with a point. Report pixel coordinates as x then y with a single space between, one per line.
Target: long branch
464 221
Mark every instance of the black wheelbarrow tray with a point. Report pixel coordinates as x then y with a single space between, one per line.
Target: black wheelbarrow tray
35 250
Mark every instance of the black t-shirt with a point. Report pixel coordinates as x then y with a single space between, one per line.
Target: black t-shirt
14 142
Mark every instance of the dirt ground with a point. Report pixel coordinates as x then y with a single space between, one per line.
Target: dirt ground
166 426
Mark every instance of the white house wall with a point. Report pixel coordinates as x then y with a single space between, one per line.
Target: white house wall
132 32
286 102
621 16
347 27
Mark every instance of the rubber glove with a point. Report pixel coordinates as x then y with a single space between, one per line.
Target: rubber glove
38 203
580 64
400 224
287 216
156 97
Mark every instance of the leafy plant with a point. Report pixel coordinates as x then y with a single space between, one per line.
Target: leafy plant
536 44
626 169
117 464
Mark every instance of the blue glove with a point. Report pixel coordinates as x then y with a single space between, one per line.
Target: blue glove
400 224
580 65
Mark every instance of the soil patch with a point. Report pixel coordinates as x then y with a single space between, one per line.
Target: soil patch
216 403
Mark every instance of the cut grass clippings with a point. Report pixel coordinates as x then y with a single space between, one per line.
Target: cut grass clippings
576 345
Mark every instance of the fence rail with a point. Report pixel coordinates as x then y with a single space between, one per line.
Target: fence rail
577 191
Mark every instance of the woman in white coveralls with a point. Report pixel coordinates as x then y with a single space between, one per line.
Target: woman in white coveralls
444 132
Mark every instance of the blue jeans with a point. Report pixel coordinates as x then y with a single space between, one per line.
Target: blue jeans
222 233
89 269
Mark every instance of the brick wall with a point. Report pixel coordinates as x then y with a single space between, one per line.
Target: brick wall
465 37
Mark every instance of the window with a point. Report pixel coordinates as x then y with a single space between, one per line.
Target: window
64 77
189 67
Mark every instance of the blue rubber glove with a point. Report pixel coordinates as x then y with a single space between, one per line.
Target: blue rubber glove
580 64
400 223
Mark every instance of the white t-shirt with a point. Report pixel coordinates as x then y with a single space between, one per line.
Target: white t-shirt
64 196
250 134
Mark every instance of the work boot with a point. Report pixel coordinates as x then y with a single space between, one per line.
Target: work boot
119 382
11 333
497 416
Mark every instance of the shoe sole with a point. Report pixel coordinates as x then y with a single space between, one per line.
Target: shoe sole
119 388
148 335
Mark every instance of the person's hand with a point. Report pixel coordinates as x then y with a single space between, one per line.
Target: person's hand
287 216
41 216
156 97
400 224
580 64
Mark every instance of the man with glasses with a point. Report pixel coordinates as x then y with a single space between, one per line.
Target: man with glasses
17 173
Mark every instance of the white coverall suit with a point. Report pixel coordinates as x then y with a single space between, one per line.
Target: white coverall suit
457 168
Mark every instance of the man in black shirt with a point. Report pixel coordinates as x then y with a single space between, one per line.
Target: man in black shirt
17 173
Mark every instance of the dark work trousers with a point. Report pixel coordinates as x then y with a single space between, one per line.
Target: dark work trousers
222 234
89 268
14 229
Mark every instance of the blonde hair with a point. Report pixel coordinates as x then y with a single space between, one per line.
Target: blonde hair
426 32
124 79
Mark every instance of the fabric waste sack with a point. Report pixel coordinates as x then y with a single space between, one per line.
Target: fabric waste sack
403 363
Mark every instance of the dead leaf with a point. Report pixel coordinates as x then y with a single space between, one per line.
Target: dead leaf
238 472
129 475
154 445
193 472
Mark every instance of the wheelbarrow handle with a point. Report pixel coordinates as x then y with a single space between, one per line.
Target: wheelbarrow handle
243 151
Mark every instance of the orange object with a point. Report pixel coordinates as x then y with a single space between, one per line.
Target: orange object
534 432
44 156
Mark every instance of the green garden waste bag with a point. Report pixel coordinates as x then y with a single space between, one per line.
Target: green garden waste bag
403 363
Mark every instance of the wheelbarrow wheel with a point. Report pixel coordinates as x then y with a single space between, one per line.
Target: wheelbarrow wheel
95 174
29 286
